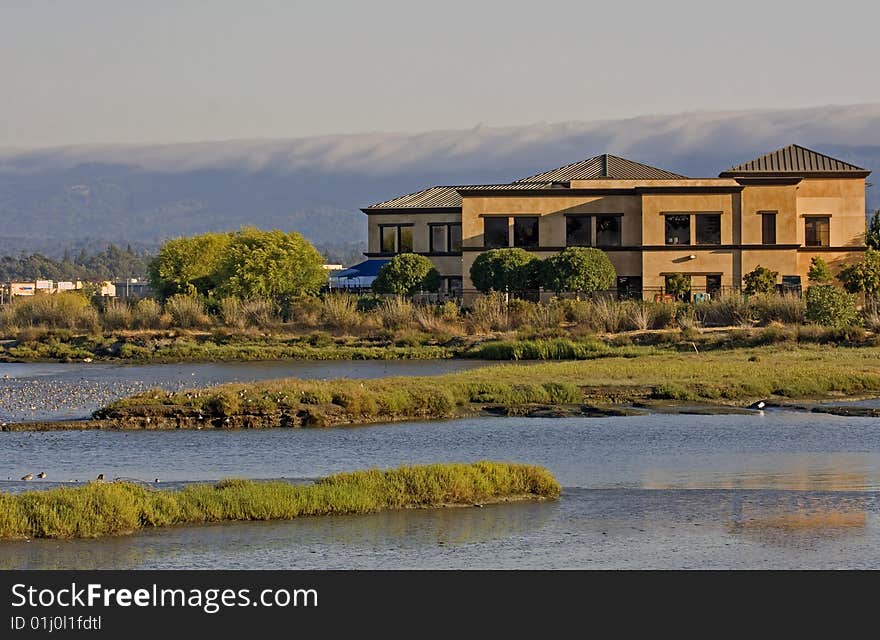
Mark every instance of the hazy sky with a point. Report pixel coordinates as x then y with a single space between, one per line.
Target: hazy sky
83 71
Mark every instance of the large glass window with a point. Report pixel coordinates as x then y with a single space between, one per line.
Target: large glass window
816 232
608 231
629 287
768 227
389 239
713 284
577 231
678 229
525 231
396 238
709 228
455 237
405 240
496 232
445 238
439 237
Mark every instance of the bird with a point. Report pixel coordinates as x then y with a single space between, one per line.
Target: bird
156 481
760 404
29 476
100 477
41 475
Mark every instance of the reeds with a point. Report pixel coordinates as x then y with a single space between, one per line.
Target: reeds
106 509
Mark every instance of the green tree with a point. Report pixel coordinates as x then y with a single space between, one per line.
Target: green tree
406 274
760 280
512 270
819 272
831 306
579 269
188 265
269 264
872 238
864 277
678 285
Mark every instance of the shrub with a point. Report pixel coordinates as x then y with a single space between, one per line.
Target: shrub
406 274
760 280
864 277
787 308
186 312
610 314
728 310
260 312
396 313
578 269
340 310
512 270
641 315
65 310
231 312
117 315
146 314
819 272
831 306
489 313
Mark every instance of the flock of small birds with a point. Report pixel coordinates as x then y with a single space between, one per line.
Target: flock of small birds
100 478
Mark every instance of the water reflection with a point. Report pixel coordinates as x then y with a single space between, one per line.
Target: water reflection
298 543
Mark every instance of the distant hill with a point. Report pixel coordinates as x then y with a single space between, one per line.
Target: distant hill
75 197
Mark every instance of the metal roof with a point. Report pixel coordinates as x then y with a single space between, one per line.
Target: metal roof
445 197
607 167
793 159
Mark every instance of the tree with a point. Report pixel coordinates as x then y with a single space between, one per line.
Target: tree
579 269
819 272
761 280
188 265
831 306
269 264
678 285
406 274
512 270
872 237
864 277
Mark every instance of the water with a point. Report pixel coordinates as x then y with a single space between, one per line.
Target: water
779 490
54 391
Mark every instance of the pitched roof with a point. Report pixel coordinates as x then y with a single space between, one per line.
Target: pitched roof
795 160
445 197
605 166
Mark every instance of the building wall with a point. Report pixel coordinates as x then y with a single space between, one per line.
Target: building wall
446 264
643 248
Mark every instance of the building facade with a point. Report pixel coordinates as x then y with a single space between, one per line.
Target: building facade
777 211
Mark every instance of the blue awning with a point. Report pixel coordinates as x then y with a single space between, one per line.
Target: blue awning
366 269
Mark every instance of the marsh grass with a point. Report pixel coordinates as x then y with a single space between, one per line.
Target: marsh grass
790 370
120 508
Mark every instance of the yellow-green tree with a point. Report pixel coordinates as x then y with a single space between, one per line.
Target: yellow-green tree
269 264
188 265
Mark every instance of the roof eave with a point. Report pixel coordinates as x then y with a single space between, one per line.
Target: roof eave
372 210
862 173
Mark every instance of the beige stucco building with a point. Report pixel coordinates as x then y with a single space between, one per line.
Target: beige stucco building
777 211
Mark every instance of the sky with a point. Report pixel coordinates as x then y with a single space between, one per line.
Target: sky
111 71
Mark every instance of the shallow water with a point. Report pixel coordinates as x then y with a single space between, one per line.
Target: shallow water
64 391
778 490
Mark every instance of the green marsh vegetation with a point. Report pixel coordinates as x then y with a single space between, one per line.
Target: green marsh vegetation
106 509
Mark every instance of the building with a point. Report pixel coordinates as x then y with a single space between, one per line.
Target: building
778 211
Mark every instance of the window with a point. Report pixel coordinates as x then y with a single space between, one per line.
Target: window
396 238
629 287
525 232
713 285
709 228
455 237
816 232
678 285
453 285
768 227
791 285
496 232
577 231
444 238
678 229
439 233
608 231
389 239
